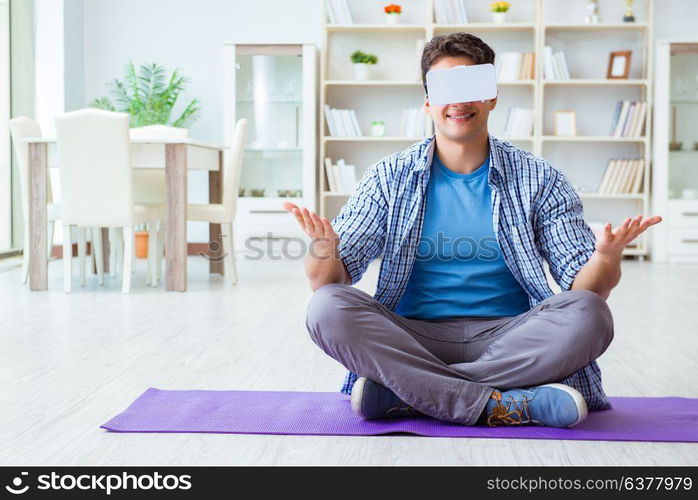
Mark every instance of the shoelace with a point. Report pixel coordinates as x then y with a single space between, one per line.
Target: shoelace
504 415
402 410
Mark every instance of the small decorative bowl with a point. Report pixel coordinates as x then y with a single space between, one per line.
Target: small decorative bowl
295 193
241 192
283 193
257 192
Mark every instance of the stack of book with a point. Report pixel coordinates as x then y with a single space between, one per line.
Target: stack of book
338 12
555 65
622 176
342 122
341 178
450 12
414 123
519 123
629 119
513 66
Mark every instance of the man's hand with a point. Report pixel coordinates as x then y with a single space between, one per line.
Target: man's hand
613 241
319 229
322 264
602 272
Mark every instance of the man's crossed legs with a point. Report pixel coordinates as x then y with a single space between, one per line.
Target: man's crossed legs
449 369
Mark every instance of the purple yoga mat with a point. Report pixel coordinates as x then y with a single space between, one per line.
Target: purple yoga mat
329 413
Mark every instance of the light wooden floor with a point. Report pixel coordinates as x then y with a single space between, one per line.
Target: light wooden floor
68 363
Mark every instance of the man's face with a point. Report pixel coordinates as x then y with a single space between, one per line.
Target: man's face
459 121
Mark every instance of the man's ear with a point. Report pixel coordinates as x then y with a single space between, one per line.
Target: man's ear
493 102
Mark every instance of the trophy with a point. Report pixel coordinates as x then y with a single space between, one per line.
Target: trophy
628 17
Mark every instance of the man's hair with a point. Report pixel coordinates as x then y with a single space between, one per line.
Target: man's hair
455 45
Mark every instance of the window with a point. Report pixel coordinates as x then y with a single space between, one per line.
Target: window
5 153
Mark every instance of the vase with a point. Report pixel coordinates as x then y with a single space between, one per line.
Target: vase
141 244
392 18
499 17
362 71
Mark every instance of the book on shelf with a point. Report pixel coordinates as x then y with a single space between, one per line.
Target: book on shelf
622 176
555 65
519 122
342 122
628 119
513 66
341 178
338 12
450 12
413 123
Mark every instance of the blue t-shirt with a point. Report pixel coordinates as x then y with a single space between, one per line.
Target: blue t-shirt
459 270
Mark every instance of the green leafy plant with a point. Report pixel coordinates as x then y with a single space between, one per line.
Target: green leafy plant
148 96
361 57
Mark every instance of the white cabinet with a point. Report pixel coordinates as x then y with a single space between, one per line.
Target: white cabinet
273 87
675 180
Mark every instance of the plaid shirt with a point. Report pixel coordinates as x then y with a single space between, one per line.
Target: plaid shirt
536 213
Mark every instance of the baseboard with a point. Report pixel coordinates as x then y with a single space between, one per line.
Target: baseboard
57 250
192 249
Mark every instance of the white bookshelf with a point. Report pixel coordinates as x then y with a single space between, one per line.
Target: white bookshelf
533 25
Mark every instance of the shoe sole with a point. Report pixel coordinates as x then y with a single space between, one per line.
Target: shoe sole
357 394
578 400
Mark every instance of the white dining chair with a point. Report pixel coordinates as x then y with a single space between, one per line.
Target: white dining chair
148 188
224 213
97 185
20 128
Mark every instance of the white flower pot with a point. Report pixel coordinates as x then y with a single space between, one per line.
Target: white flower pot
392 18
362 71
499 17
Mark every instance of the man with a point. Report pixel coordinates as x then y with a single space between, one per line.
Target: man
463 326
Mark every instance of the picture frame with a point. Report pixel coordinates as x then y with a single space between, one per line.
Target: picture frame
619 64
565 122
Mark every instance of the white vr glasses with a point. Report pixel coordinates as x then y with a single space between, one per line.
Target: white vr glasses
461 84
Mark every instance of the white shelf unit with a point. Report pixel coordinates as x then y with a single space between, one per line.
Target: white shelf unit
274 87
675 173
533 24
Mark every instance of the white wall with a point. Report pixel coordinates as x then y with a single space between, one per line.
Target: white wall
188 34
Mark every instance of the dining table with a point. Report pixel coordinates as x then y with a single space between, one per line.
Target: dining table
176 156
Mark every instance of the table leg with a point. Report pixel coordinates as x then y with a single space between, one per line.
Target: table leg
176 241
215 195
106 248
38 258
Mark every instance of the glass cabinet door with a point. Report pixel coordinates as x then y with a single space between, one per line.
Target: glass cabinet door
683 145
269 94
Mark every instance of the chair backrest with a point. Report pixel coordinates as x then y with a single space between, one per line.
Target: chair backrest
157 131
232 168
95 168
149 184
20 128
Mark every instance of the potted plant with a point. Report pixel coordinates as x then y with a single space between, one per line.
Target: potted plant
362 64
499 11
392 13
148 96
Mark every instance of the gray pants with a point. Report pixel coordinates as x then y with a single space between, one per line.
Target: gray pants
448 368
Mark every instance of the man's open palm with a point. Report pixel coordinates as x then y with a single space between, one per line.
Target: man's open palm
316 227
613 241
